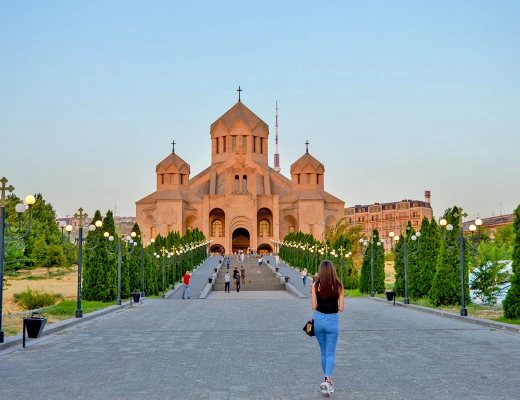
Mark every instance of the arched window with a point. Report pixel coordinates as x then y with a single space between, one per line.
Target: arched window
216 228
264 228
244 183
237 183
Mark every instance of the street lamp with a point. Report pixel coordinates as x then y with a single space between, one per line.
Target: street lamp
348 254
79 244
364 244
130 244
164 252
395 237
462 244
12 235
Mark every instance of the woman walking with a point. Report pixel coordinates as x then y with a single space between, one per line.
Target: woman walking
304 277
327 300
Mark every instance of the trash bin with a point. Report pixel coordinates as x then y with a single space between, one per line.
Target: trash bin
34 324
210 280
287 279
276 269
389 295
136 296
214 270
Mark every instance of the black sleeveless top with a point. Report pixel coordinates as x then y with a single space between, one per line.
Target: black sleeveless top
327 306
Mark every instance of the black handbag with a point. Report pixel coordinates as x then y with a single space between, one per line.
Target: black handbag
309 328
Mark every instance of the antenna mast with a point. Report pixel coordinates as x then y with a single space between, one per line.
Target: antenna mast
276 155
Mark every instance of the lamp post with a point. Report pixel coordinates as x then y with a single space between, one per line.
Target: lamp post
462 244
341 252
79 244
119 251
372 243
12 235
164 252
405 256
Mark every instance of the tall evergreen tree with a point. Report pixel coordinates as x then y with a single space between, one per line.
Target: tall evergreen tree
511 303
446 286
399 267
429 247
135 262
92 262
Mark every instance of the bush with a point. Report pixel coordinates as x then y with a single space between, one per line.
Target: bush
32 299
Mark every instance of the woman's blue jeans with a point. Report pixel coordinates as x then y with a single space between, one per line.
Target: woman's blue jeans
326 329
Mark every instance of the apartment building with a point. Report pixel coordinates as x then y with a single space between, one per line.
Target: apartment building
390 217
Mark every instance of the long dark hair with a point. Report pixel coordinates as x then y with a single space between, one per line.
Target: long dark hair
328 283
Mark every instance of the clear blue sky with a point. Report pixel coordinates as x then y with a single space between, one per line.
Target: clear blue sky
395 97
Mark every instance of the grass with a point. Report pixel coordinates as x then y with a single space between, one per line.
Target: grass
12 324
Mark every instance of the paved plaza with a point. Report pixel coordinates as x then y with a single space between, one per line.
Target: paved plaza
240 348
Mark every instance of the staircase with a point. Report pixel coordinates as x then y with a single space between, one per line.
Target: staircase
257 279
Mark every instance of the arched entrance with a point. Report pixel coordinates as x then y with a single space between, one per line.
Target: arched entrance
241 240
264 248
217 249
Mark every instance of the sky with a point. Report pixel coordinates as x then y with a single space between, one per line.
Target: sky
395 97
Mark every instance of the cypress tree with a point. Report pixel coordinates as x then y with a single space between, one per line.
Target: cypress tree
429 247
108 290
399 267
511 303
134 270
446 286
414 283
92 262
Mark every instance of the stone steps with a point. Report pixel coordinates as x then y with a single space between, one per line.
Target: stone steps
257 279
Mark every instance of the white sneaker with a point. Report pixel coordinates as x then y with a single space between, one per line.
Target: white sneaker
325 388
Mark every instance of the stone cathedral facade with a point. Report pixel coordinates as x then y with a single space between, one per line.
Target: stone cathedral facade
239 201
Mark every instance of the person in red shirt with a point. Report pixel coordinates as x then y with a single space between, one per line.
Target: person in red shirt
186 280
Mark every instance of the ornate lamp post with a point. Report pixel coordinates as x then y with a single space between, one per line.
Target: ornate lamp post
164 252
341 252
372 243
462 244
79 243
119 250
405 256
11 234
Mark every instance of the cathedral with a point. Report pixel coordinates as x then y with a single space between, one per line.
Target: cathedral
239 202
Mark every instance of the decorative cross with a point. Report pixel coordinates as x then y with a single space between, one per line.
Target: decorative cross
239 90
80 216
341 250
307 145
164 251
460 215
9 188
173 148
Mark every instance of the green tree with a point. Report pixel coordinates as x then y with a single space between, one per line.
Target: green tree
511 303
429 247
504 236
446 286
488 266
92 262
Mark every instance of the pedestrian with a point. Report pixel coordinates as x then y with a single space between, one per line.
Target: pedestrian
243 274
237 281
277 259
304 276
227 282
235 272
314 279
228 263
260 261
327 300
186 281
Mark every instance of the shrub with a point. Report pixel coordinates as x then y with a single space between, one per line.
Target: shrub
32 299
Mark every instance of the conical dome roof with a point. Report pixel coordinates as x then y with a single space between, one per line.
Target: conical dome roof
306 159
240 112
172 160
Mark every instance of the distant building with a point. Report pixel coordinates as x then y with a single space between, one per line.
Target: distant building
491 224
123 224
389 217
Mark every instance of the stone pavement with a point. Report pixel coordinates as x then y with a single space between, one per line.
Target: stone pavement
256 349
199 279
293 274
